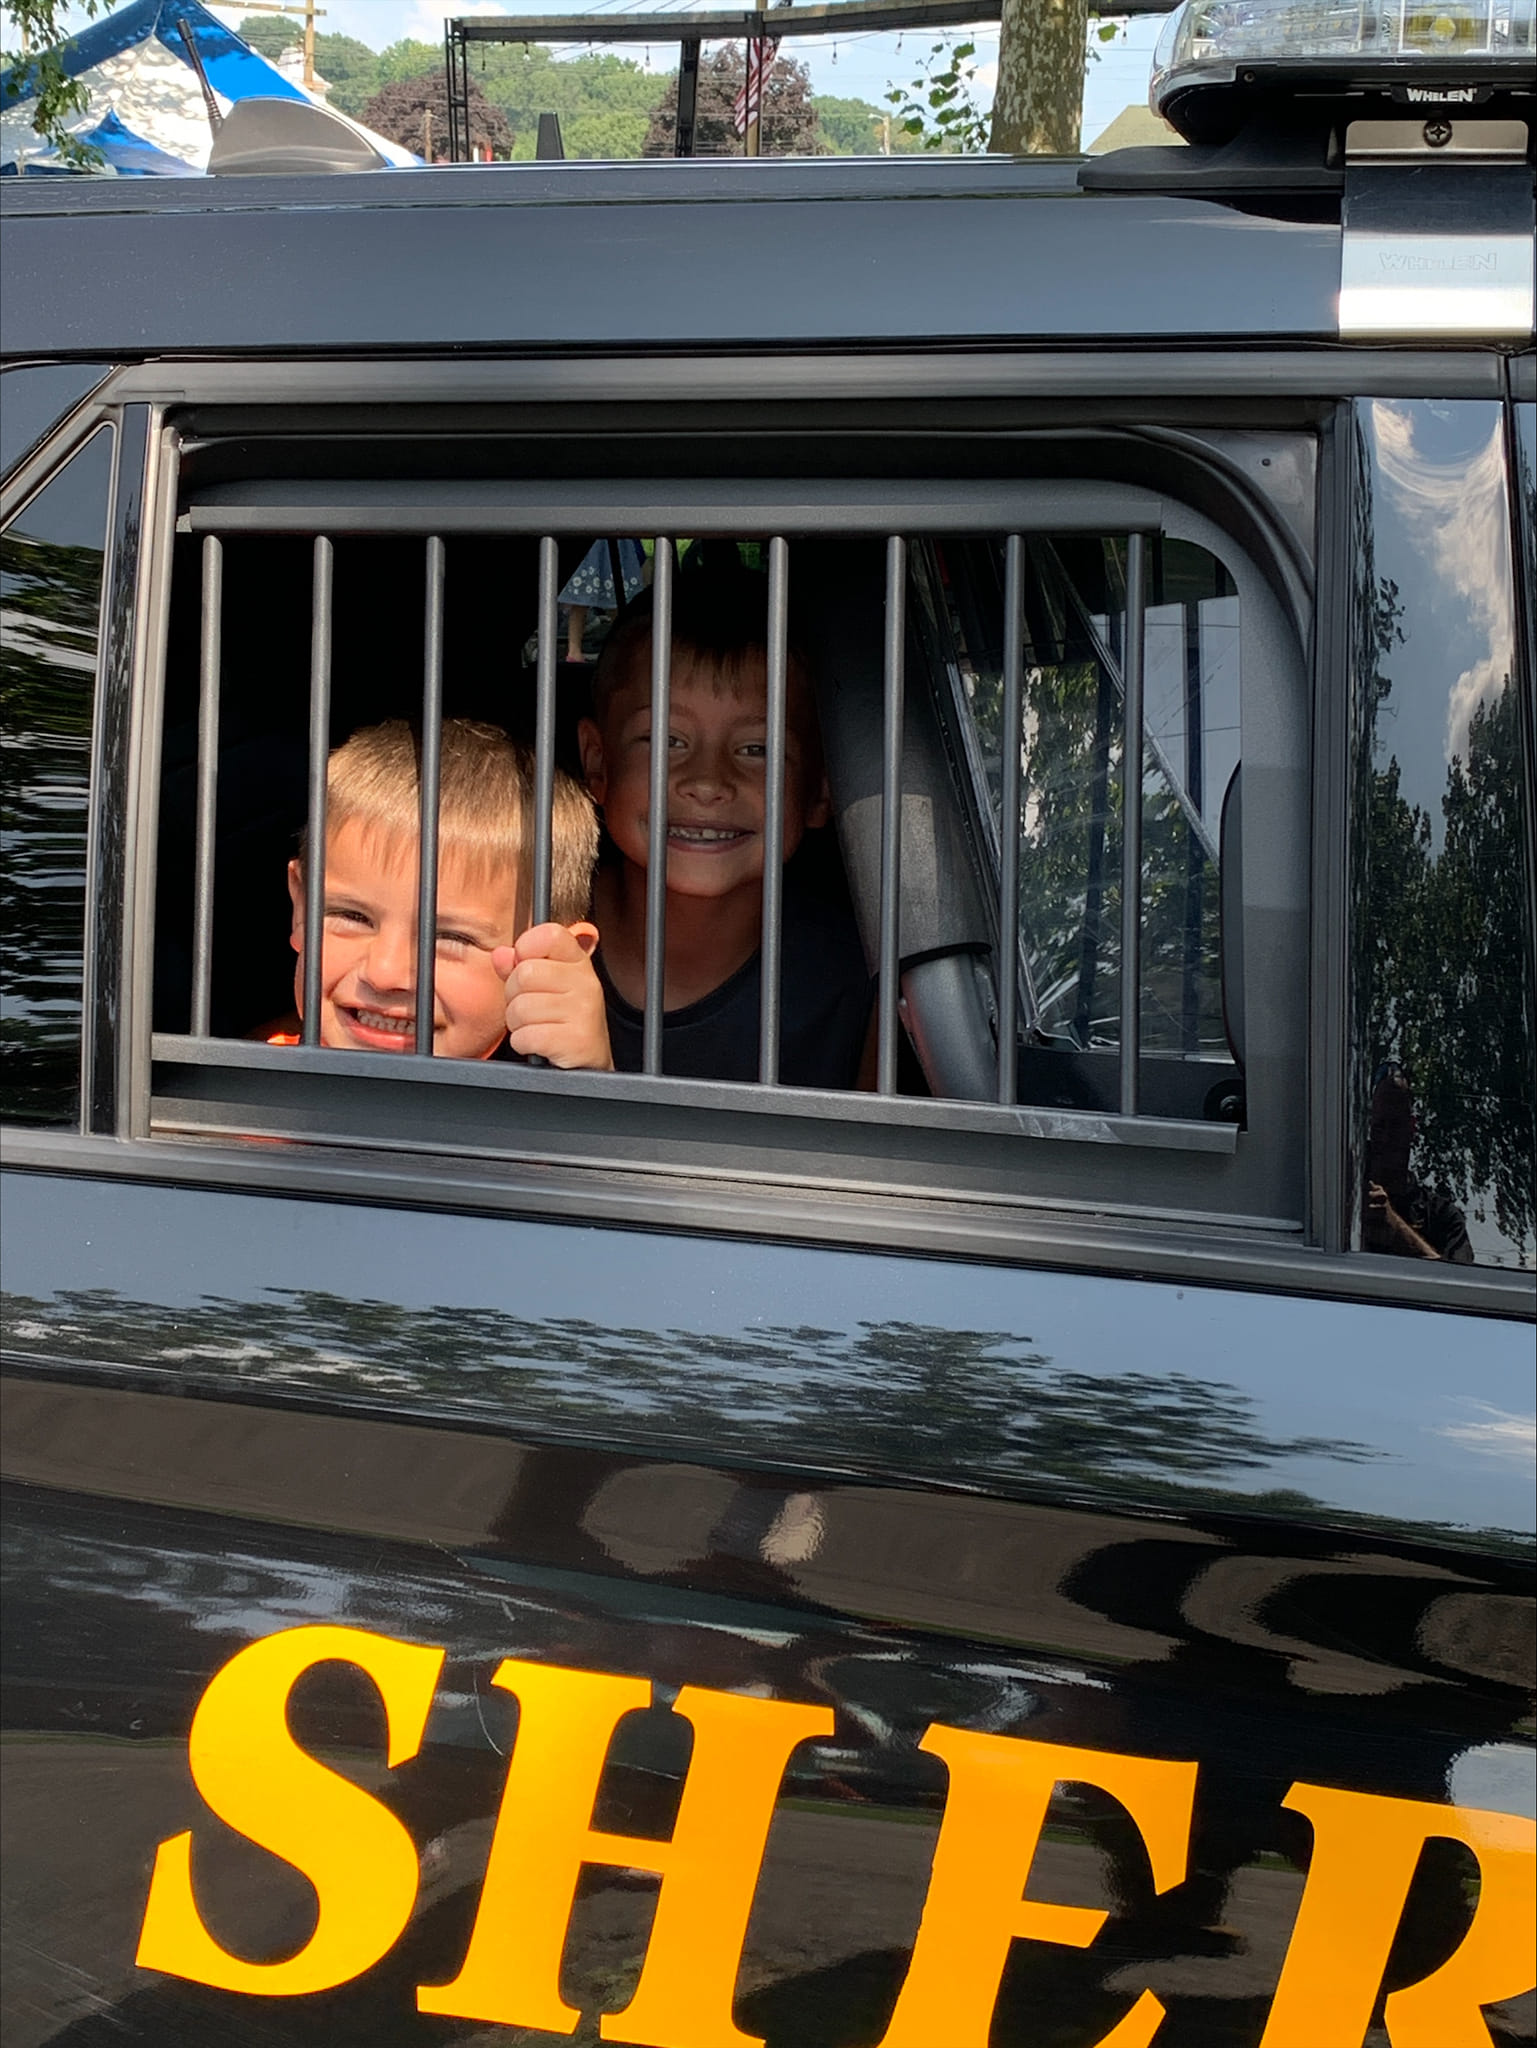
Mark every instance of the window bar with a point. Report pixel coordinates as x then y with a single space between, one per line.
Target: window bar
320 752
891 814
1009 819
774 808
1131 823
431 776
1195 853
544 730
207 784
660 793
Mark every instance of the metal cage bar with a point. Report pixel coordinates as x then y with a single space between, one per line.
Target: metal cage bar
319 761
1132 758
777 708
659 797
431 788
894 679
207 784
544 731
1010 807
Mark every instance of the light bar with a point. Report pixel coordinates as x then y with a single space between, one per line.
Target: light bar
1440 53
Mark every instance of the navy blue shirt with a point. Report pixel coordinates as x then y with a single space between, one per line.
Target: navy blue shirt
825 996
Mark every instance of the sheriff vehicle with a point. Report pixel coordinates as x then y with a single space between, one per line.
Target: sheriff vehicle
1033 1551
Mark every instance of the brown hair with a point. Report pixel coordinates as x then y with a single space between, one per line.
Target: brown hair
720 618
486 806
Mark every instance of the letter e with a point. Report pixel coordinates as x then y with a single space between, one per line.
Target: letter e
1000 1787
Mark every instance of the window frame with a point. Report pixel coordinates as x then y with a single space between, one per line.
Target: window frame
1168 390
278 1098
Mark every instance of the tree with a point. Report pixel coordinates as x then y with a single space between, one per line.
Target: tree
350 68
38 26
789 123
938 109
855 128
1042 54
414 113
271 34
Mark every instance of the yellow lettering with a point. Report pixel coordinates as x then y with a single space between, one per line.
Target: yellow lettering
1365 1849
1000 1787
253 1775
709 1867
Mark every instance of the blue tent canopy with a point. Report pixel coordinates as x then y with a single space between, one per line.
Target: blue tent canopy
146 115
234 69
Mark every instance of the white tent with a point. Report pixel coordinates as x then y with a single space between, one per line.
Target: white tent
146 68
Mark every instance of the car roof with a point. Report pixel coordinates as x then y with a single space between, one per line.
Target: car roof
695 254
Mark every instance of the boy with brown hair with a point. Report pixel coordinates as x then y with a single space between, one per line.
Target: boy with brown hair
718 751
496 983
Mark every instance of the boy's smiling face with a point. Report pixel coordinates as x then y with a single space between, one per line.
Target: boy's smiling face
368 950
718 755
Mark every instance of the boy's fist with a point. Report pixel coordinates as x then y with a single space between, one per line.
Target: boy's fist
554 997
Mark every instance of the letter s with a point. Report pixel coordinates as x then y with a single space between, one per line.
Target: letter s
253 1775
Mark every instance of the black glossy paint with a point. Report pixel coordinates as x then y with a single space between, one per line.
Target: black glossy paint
1263 1533
586 260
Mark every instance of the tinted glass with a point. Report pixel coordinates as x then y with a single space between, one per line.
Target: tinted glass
1070 845
1443 1081
34 397
50 597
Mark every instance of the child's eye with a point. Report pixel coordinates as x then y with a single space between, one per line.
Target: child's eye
755 750
455 941
347 920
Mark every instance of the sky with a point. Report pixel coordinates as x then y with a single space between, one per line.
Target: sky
857 66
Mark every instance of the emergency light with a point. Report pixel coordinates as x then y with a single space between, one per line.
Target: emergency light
1379 56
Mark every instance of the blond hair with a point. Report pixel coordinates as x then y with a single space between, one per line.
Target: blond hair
485 811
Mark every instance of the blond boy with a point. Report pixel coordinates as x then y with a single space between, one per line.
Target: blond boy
496 982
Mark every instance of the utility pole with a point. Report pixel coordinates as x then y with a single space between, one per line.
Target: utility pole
310 13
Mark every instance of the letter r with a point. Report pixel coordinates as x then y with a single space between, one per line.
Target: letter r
1365 1849
709 1867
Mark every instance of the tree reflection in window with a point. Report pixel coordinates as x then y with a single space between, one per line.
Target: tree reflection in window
50 604
1441 938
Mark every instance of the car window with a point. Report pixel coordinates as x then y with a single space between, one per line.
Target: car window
305 607
1445 1076
1072 772
51 558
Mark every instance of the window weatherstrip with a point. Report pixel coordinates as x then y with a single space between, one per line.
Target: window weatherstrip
207 784
1132 759
320 749
891 814
772 946
544 731
1010 820
659 795
430 784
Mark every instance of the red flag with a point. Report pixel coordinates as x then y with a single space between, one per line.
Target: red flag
748 107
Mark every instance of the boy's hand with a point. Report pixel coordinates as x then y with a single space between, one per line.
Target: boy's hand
554 998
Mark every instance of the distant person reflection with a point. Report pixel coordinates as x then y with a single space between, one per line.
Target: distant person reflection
1402 1215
